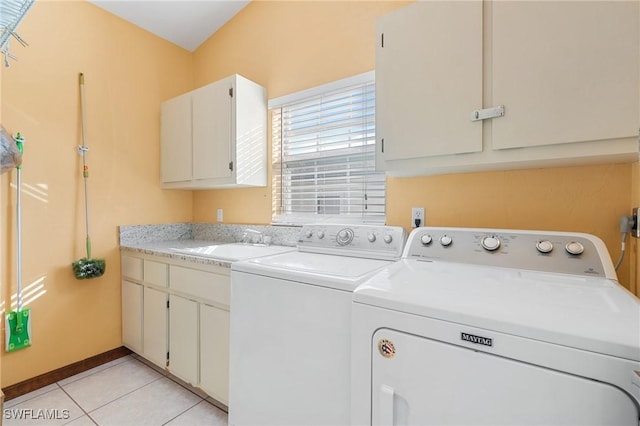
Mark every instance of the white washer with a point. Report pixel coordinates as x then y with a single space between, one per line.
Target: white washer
291 325
496 327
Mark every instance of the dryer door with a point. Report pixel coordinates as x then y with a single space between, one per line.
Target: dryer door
419 381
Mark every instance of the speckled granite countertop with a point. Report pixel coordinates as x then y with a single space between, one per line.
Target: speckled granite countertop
167 248
175 241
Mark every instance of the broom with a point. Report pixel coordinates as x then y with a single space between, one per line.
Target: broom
87 267
17 324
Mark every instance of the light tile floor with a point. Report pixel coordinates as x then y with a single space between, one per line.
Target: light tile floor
125 392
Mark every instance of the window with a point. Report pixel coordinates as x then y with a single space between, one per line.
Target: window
324 155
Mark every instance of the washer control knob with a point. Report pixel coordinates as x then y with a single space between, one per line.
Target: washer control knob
574 248
446 240
344 237
388 238
544 246
371 237
320 235
426 239
490 243
309 233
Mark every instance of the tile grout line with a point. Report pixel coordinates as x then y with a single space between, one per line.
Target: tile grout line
125 394
81 378
180 382
78 404
10 406
188 387
91 374
175 417
88 413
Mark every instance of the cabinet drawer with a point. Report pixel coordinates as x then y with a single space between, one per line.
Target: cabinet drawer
155 273
132 267
200 284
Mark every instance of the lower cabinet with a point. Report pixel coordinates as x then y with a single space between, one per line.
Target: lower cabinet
154 329
183 345
214 352
132 315
177 317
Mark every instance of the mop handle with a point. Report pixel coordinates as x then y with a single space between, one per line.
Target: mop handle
85 168
20 144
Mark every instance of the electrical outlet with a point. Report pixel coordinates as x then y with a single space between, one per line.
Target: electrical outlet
417 217
219 215
635 229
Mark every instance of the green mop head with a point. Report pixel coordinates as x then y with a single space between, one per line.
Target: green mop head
18 329
89 268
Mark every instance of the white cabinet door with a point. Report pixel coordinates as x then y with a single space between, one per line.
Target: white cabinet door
175 140
226 126
132 316
183 342
565 71
212 130
428 80
214 352
155 329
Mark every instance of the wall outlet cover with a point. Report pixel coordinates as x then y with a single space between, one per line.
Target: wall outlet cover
417 217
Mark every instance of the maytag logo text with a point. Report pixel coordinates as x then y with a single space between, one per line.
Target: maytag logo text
478 340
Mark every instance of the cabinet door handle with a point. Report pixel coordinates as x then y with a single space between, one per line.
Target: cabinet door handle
483 114
385 409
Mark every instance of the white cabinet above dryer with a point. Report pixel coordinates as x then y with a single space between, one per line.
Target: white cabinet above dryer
428 78
566 75
215 136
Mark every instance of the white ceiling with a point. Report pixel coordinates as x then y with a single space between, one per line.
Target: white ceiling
186 23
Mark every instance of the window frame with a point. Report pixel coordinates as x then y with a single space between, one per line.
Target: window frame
301 218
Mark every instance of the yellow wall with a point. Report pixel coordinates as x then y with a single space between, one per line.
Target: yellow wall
128 73
587 199
290 46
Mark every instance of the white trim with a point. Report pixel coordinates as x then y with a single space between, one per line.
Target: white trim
366 77
301 219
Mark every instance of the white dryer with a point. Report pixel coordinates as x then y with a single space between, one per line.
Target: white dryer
496 327
291 325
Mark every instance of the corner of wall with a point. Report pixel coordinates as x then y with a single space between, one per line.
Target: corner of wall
634 280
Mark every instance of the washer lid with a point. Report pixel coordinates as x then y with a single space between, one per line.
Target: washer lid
587 313
340 272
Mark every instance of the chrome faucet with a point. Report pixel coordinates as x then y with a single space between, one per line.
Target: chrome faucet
252 236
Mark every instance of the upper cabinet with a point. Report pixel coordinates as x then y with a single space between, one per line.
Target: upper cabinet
566 72
215 136
560 79
428 78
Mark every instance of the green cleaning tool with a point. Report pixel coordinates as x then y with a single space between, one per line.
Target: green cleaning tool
18 326
87 267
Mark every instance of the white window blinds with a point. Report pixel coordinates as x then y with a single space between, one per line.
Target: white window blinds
324 158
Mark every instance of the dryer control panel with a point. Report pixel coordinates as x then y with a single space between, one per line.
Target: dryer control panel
546 251
370 241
